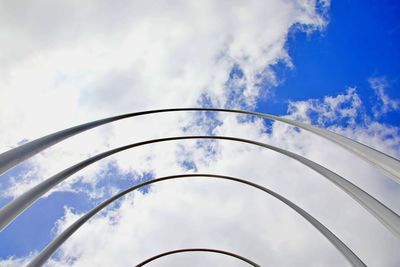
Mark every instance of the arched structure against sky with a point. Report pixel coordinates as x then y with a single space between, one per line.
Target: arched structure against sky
389 218
46 253
14 156
386 163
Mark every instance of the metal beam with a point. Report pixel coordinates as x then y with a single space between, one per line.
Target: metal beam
178 251
388 164
46 253
385 215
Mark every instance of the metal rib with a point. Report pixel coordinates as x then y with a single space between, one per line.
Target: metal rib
196 250
46 253
388 164
385 215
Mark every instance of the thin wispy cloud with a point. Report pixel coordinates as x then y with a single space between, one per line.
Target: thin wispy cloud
384 103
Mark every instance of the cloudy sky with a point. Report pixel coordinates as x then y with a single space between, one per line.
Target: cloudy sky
334 64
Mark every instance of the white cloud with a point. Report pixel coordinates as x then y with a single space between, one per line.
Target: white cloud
345 107
347 115
385 103
65 63
82 61
15 262
98 59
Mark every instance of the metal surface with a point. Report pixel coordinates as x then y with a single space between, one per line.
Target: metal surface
388 164
385 215
46 253
198 250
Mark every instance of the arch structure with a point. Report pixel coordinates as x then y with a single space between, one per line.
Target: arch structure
385 215
388 164
46 253
208 250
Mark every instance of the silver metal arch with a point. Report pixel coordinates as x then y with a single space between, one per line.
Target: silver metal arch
388 164
252 263
46 253
385 215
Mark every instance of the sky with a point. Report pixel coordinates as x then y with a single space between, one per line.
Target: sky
335 65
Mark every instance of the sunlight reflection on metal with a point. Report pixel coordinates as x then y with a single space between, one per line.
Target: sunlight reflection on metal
46 253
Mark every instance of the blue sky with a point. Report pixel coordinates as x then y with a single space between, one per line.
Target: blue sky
360 43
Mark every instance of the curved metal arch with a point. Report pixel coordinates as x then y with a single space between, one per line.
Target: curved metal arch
388 164
385 215
252 263
46 253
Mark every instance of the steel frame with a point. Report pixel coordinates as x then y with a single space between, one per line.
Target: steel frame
386 163
46 253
